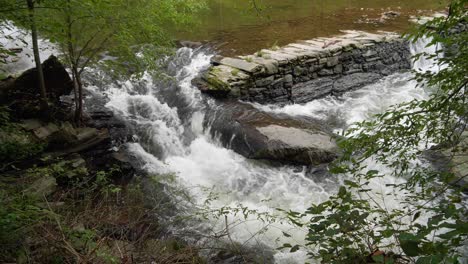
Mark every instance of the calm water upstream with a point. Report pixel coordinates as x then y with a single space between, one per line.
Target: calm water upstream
237 28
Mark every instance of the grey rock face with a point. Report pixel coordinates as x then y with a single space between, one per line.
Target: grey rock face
306 92
241 64
259 135
354 81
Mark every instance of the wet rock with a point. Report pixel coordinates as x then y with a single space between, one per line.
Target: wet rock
259 135
389 15
213 88
103 118
221 81
189 44
270 65
354 81
241 65
216 60
306 92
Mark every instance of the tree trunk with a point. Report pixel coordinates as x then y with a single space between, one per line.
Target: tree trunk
79 101
37 58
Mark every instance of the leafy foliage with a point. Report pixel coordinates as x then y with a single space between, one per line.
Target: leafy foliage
125 37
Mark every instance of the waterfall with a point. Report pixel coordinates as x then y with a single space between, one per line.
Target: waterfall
166 117
362 104
167 120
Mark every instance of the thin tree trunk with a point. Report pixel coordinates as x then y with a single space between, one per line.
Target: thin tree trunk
37 58
75 73
79 100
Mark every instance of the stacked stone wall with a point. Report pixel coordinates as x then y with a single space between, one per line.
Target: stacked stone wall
308 70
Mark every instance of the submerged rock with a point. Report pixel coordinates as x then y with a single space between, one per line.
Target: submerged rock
259 135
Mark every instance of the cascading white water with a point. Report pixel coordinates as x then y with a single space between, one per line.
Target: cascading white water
168 120
361 104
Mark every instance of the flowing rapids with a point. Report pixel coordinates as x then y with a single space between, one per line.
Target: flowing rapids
167 119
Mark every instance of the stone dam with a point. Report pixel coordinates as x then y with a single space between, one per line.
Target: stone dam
307 70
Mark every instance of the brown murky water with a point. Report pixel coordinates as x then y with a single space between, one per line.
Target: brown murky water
236 28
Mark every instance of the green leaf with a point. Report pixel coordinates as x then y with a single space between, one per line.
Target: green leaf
411 248
342 192
429 260
387 233
450 234
337 170
379 258
294 249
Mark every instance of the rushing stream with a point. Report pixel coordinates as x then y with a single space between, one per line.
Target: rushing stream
167 119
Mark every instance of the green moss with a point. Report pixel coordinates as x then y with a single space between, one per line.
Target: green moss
275 46
217 84
260 54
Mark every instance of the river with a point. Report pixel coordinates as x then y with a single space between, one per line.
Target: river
171 138
237 28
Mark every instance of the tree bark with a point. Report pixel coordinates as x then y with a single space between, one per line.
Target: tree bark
74 61
79 101
37 57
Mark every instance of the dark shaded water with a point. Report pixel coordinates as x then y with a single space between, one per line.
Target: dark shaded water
237 28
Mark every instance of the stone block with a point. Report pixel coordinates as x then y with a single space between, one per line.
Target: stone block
288 78
241 65
332 61
298 71
264 81
270 65
338 69
370 53
325 72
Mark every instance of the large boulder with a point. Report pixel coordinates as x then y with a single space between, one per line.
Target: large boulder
22 94
57 80
260 135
